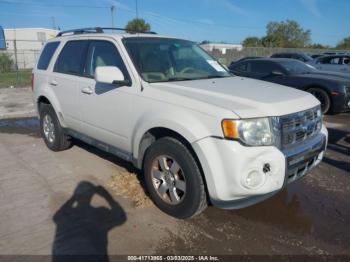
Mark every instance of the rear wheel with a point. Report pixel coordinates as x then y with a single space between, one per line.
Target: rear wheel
323 97
51 130
173 179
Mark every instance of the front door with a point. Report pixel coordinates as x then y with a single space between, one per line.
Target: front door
106 108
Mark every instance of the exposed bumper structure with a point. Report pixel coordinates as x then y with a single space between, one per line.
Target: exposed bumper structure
238 176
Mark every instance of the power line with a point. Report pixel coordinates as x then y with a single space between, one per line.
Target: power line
52 5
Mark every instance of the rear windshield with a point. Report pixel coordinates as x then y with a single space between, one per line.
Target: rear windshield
46 55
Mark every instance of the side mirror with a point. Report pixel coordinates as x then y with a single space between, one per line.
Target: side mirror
110 75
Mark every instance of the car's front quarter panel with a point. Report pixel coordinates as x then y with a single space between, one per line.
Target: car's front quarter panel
190 124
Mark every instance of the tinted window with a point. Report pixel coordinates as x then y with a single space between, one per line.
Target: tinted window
241 67
262 68
47 54
71 59
103 53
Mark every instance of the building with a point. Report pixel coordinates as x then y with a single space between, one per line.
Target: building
24 44
221 47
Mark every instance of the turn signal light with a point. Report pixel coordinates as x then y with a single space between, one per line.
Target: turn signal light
230 129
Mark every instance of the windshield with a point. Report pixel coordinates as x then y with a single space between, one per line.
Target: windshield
163 60
295 67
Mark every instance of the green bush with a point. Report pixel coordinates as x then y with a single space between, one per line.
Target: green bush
6 63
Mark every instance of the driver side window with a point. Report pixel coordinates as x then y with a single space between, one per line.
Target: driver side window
103 53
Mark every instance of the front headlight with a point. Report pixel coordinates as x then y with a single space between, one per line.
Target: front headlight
252 132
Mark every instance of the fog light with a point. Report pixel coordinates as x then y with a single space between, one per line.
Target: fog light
254 179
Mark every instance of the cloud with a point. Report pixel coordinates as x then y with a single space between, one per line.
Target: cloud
120 5
205 21
312 7
232 7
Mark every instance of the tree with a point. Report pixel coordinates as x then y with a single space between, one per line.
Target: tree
281 34
344 44
137 25
252 42
288 34
6 63
205 42
319 46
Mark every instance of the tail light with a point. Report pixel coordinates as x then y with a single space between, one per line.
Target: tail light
32 82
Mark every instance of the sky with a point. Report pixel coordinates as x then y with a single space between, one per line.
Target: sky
228 21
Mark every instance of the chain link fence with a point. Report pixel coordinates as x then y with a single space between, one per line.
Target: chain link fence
17 62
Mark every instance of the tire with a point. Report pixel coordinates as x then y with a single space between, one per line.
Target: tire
191 196
323 97
59 141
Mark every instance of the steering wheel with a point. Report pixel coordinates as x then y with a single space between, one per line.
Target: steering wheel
187 70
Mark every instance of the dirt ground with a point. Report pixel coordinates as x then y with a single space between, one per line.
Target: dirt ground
84 201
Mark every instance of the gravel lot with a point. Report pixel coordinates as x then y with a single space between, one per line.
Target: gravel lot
86 201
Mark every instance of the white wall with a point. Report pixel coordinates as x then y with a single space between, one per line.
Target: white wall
29 42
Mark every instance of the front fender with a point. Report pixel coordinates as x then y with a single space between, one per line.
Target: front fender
192 126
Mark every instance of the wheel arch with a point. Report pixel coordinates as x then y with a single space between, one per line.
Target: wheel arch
323 88
155 133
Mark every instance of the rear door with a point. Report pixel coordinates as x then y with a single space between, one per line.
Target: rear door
106 108
67 71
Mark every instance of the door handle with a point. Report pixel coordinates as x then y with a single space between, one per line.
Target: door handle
87 90
53 82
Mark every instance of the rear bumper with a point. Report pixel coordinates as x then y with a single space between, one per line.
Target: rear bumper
226 165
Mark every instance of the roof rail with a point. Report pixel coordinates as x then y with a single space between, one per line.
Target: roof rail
90 30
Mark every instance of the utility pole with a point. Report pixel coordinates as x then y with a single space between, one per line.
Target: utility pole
137 9
113 14
53 22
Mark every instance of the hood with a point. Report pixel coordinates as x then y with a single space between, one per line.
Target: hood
338 75
248 98
328 76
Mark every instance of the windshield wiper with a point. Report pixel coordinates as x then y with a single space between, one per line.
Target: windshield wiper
180 79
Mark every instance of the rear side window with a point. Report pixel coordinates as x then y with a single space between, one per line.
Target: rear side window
262 68
242 67
72 58
46 55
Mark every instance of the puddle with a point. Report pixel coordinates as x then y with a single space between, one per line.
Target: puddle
27 126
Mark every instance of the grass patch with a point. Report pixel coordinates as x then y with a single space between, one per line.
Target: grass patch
20 79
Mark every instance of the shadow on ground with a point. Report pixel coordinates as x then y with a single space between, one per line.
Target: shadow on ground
82 229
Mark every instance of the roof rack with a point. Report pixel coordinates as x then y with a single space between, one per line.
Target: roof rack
90 30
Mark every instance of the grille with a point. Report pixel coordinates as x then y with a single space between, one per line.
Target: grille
301 126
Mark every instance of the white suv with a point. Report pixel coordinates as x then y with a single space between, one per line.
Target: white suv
199 134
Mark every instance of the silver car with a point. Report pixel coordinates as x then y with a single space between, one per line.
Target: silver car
338 63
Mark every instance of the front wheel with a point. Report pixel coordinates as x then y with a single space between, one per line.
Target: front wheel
173 179
323 97
51 130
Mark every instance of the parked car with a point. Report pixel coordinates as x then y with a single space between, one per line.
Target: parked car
246 58
338 63
332 89
314 56
298 56
198 133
